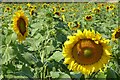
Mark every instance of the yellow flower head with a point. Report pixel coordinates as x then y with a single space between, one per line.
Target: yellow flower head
54 9
88 17
86 52
7 9
28 4
96 10
100 5
19 8
62 9
73 25
116 34
57 13
111 7
32 12
20 25
45 5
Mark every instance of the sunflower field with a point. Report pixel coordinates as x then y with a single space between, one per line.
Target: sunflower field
57 40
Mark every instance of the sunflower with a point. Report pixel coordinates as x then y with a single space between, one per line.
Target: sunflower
20 23
116 34
111 7
86 52
73 25
28 4
100 5
62 9
19 8
7 9
45 5
96 10
88 17
57 13
54 9
33 12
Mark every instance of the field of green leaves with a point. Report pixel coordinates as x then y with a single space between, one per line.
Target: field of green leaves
49 24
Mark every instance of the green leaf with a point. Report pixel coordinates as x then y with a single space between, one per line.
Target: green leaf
54 74
30 58
101 75
49 48
14 37
64 75
75 75
25 72
37 25
7 54
33 31
57 56
8 39
111 73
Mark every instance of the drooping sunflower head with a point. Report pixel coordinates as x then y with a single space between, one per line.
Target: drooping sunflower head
20 25
116 34
88 17
86 52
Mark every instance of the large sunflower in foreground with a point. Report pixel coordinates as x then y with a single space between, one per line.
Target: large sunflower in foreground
116 34
86 52
20 23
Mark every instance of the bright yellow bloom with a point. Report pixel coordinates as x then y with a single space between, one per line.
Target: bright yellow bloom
62 9
96 10
28 4
32 12
7 9
19 8
111 7
116 34
63 17
54 9
20 25
86 52
88 17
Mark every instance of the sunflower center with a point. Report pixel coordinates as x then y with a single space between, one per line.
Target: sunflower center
88 17
87 52
97 10
21 25
117 35
8 8
62 8
111 6
57 13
